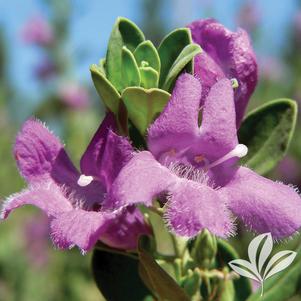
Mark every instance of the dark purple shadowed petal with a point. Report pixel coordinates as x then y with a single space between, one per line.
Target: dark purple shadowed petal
37 150
177 126
123 231
232 54
263 205
106 154
140 181
193 207
78 227
47 196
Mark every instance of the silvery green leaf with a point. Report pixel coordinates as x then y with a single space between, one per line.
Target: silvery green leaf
169 50
250 273
185 56
124 33
129 69
102 65
149 77
109 95
273 267
147 52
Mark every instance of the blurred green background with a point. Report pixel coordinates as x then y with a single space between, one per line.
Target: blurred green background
46 48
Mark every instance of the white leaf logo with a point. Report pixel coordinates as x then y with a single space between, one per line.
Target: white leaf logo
259 250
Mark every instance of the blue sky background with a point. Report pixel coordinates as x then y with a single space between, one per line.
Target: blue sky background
92 20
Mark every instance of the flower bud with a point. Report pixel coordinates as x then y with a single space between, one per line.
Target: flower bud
205 249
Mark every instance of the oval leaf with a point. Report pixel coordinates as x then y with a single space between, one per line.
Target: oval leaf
186 55
163 284
129 69
147 52
124 33
283 264
170 48
267 132
149 77
109 95
144 105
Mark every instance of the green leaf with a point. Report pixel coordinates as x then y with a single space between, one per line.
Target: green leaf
169 50
186 55
158 280
105 89
267 132
149 77
225 254
282 286
144 105
117 276
129 69
124 33
147 52
102 65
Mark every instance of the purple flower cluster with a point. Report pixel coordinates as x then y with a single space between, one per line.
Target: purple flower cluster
73 200
38 31
190 165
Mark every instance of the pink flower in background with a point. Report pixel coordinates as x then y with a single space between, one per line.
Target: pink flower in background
74 95
248 16
38 31
45 70
298 23
272 69
36 239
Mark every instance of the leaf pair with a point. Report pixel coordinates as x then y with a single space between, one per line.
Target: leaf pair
255 268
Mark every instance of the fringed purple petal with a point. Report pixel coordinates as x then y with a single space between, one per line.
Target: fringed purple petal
193 207
140 181
177 126
225 54
78 227
40 155
123 231
106 154
48 197
264 205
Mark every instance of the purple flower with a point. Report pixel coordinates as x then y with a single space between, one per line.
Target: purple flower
272 69
38 31
192 170
74 96
36 229
45 70
225 54
249 16
73 201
